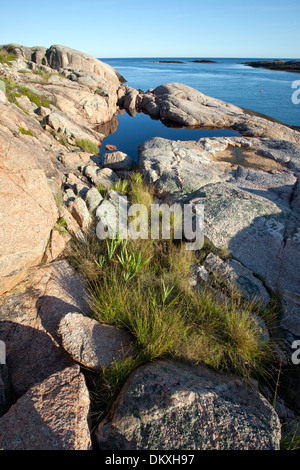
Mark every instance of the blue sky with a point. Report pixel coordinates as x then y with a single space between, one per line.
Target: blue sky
160 28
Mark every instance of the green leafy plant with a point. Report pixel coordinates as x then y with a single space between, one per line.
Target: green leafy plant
132 263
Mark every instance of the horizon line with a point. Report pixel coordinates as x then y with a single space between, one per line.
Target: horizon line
197 57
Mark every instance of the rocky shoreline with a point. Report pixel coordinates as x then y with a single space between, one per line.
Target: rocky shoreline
52 183
283 65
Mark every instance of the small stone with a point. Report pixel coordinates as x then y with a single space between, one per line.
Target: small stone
118 161
92 199
80 213
110 147
93 344
101 177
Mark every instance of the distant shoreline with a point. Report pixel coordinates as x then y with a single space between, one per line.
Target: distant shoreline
280 65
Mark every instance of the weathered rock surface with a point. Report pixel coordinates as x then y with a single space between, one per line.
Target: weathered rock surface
103 177
79 83
30 315
52 415
93 344
118 161
249 189
80 213
167 406
93 199
183 105
239 277
28 181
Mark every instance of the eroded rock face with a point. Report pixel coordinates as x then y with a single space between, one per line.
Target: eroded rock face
52 415
239 277
28 180
30 316
167 406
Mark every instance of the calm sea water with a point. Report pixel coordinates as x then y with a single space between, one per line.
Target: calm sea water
265 91
131 131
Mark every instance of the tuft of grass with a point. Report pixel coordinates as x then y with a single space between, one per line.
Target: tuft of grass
15 90
102 190
140 192
87 146
38 100
61 225
121 186
25 131
144 287
44 75
6 58
105 385
291 438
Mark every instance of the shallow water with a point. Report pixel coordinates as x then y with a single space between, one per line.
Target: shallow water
265 91
245 158
129 132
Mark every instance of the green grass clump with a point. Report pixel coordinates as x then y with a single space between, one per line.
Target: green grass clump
144 287
38 100
15 90
61 225
6 58
87 146
25 131
121 186
44 75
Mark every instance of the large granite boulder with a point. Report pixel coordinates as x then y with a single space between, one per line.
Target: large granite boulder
30 315
28 183
62 57
52 415
167 406
186 106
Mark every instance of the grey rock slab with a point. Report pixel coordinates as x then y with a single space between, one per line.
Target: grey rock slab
251 227
92 199
103 177
176 168
169 405
118 161
239 277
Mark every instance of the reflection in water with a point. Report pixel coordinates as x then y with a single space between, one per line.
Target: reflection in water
127 132
109 127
